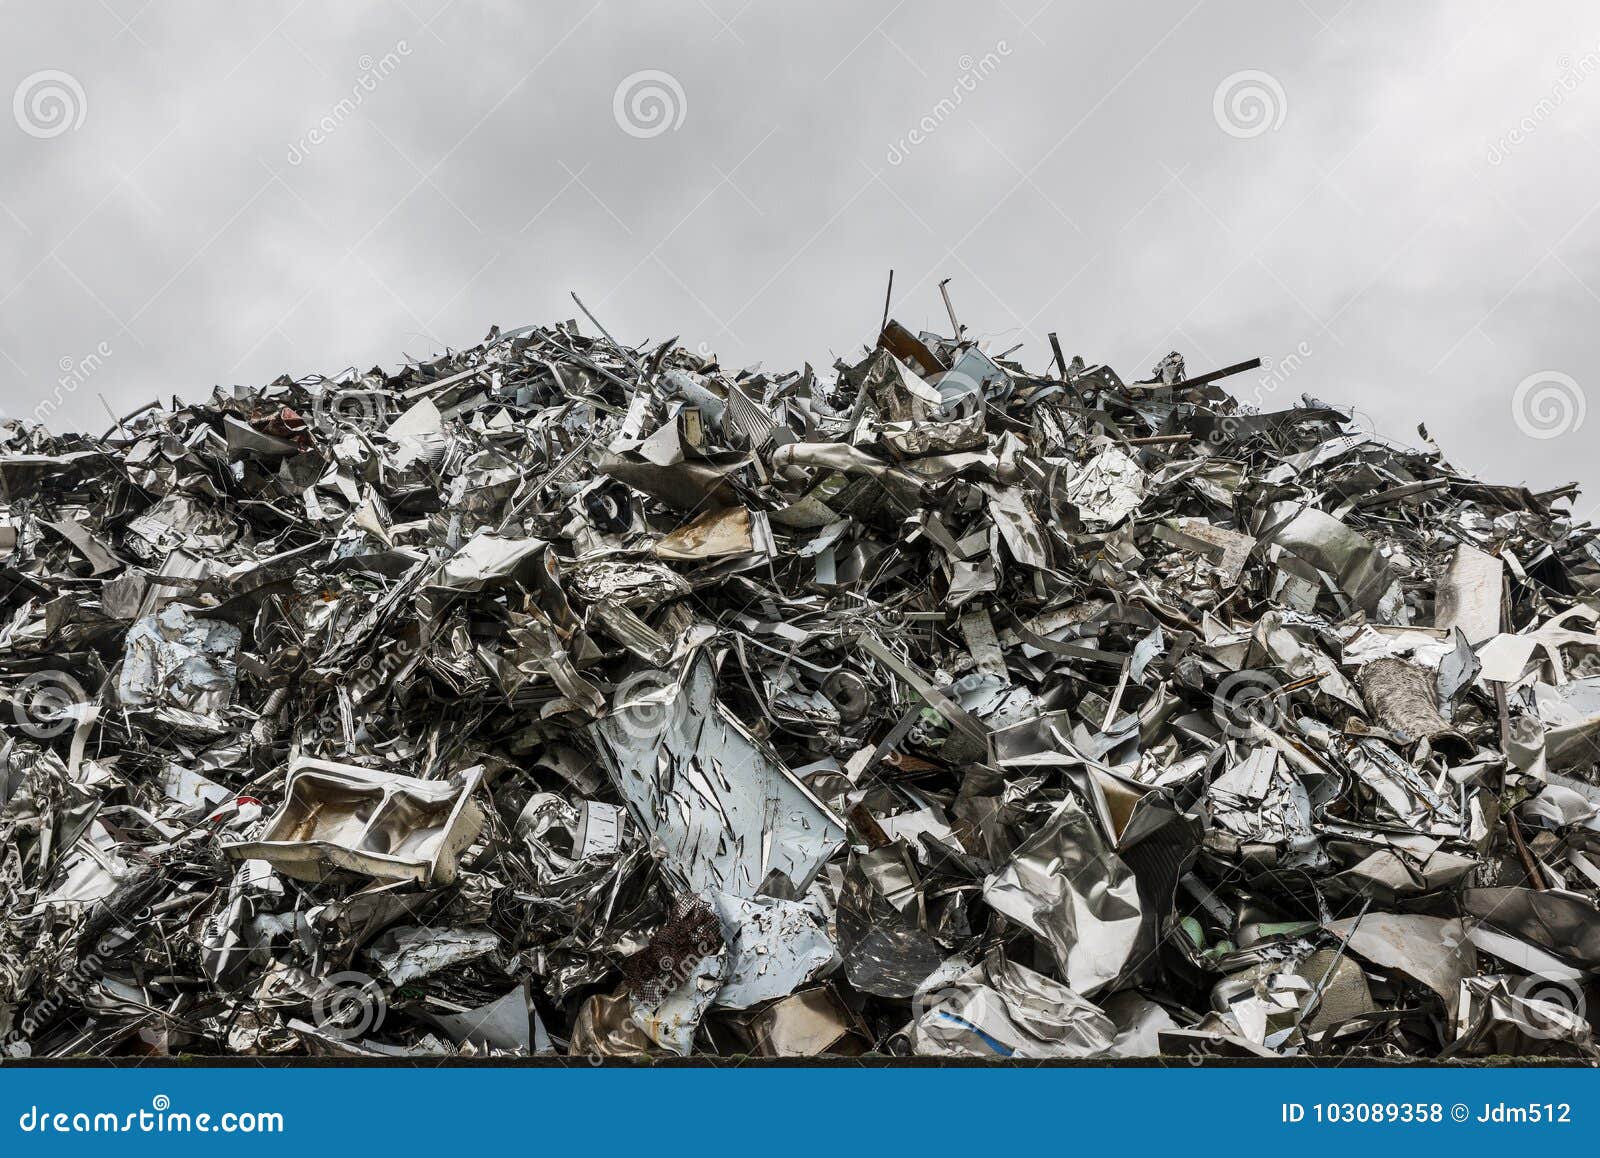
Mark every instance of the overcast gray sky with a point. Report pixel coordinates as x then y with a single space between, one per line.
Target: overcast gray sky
1396 204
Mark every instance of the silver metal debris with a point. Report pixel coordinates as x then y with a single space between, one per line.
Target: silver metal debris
558 698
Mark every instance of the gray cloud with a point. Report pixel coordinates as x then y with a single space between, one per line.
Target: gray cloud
281 187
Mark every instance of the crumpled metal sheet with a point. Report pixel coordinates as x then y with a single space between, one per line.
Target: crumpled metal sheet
556 697
1075 894
405 955
1503 1016
1108 488
1356 565
775 947
999 1009
174 659
725 814
1431 950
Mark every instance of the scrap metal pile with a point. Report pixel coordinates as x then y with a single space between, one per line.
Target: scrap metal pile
555 697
